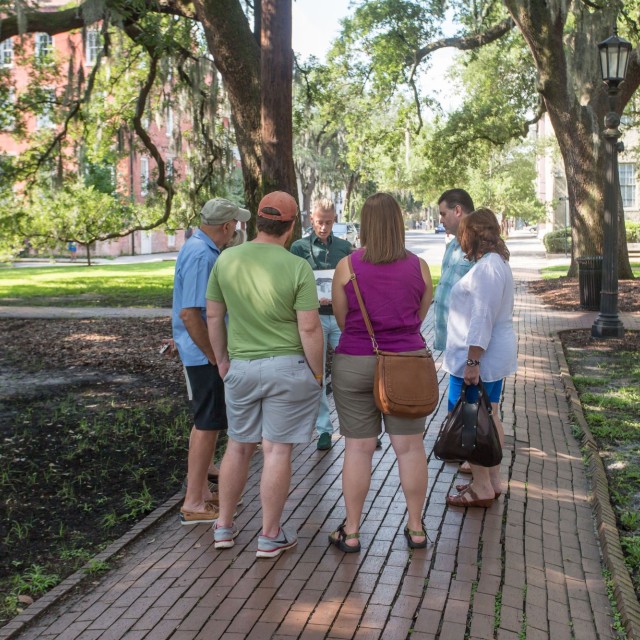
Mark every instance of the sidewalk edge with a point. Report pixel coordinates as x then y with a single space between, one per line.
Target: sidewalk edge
627 601
33 612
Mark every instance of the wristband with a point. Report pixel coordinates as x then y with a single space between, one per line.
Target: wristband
473 363
318 376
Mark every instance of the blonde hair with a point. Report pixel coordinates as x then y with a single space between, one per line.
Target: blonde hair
382 229
324 204
479 233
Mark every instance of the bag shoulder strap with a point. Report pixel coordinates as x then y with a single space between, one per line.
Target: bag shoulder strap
363 309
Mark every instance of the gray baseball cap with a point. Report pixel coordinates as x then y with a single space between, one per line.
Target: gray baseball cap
218 211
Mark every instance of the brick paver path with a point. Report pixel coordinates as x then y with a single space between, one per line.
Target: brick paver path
528 565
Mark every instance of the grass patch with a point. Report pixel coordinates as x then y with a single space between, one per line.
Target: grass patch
606 375
559 271
124 285
148 284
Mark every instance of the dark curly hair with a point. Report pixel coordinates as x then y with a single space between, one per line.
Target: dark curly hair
479 233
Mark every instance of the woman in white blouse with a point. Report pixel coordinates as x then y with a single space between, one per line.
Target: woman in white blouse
481 341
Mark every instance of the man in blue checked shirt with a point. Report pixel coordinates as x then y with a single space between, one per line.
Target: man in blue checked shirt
453 205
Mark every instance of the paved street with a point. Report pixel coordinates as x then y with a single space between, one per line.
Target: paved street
530 566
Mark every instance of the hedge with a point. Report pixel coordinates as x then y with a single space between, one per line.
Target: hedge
554 241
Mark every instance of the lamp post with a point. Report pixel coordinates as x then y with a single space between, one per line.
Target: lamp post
614 56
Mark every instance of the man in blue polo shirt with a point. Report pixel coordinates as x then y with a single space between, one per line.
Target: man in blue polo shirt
322 250
189 323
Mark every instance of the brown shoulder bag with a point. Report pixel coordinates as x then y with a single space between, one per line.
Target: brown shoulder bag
405 386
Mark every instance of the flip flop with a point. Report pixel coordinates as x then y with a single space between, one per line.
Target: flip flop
339 538
460 500
408 533
461 488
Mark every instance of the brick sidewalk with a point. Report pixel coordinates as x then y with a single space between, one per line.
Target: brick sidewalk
528 565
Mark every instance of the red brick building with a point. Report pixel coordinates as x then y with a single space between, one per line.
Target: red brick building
76 52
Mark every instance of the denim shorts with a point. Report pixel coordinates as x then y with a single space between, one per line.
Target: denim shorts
493 390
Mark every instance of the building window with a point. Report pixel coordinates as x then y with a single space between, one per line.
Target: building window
144 176
93 46
44 45
6 53
44 117
627 173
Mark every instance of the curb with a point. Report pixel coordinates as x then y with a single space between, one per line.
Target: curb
33 612
627 601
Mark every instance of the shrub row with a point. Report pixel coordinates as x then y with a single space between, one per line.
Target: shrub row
554 241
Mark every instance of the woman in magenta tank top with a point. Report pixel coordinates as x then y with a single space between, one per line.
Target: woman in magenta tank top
396 288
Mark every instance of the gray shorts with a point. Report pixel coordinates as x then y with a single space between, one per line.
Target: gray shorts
352 382
272 398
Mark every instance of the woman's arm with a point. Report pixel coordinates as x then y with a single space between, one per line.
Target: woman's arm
338 294
427 296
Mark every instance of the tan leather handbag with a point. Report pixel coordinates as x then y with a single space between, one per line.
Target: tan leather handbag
405 385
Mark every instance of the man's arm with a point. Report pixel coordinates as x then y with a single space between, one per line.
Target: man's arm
197 329
310 331
216 312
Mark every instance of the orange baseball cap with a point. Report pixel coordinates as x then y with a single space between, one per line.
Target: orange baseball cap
278 205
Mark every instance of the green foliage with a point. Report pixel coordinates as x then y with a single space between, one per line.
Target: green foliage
632 231
557 241
34 581
75 212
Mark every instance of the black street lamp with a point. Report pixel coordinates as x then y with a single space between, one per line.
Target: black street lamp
614 56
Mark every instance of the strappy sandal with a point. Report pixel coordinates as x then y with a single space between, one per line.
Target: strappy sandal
408 533
339 538
461 500
461 488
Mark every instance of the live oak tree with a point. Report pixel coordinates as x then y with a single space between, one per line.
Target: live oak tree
396 38
254 60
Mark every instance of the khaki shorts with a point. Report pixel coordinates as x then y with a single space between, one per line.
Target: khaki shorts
272 398
352 382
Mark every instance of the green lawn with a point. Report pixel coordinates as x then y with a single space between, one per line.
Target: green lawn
559 271
126 285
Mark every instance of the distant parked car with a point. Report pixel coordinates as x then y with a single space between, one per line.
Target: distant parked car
440 229
347 231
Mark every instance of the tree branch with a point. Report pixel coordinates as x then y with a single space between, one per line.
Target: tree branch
464 43
53 22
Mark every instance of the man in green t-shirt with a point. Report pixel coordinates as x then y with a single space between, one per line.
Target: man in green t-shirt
270 358
322 250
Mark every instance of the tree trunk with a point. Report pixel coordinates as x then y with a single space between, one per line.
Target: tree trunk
278 172
569 82
308 186
237 56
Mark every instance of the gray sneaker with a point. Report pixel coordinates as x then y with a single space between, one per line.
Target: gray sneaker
273 547
223 537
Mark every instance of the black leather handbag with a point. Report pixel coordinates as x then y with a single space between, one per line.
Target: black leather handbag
470 433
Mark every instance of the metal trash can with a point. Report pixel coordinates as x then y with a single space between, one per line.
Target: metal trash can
590 282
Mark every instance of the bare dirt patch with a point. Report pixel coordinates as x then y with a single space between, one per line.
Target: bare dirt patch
94 428
563 293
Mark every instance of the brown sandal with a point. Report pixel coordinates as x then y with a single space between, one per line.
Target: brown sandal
461 488
460 500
